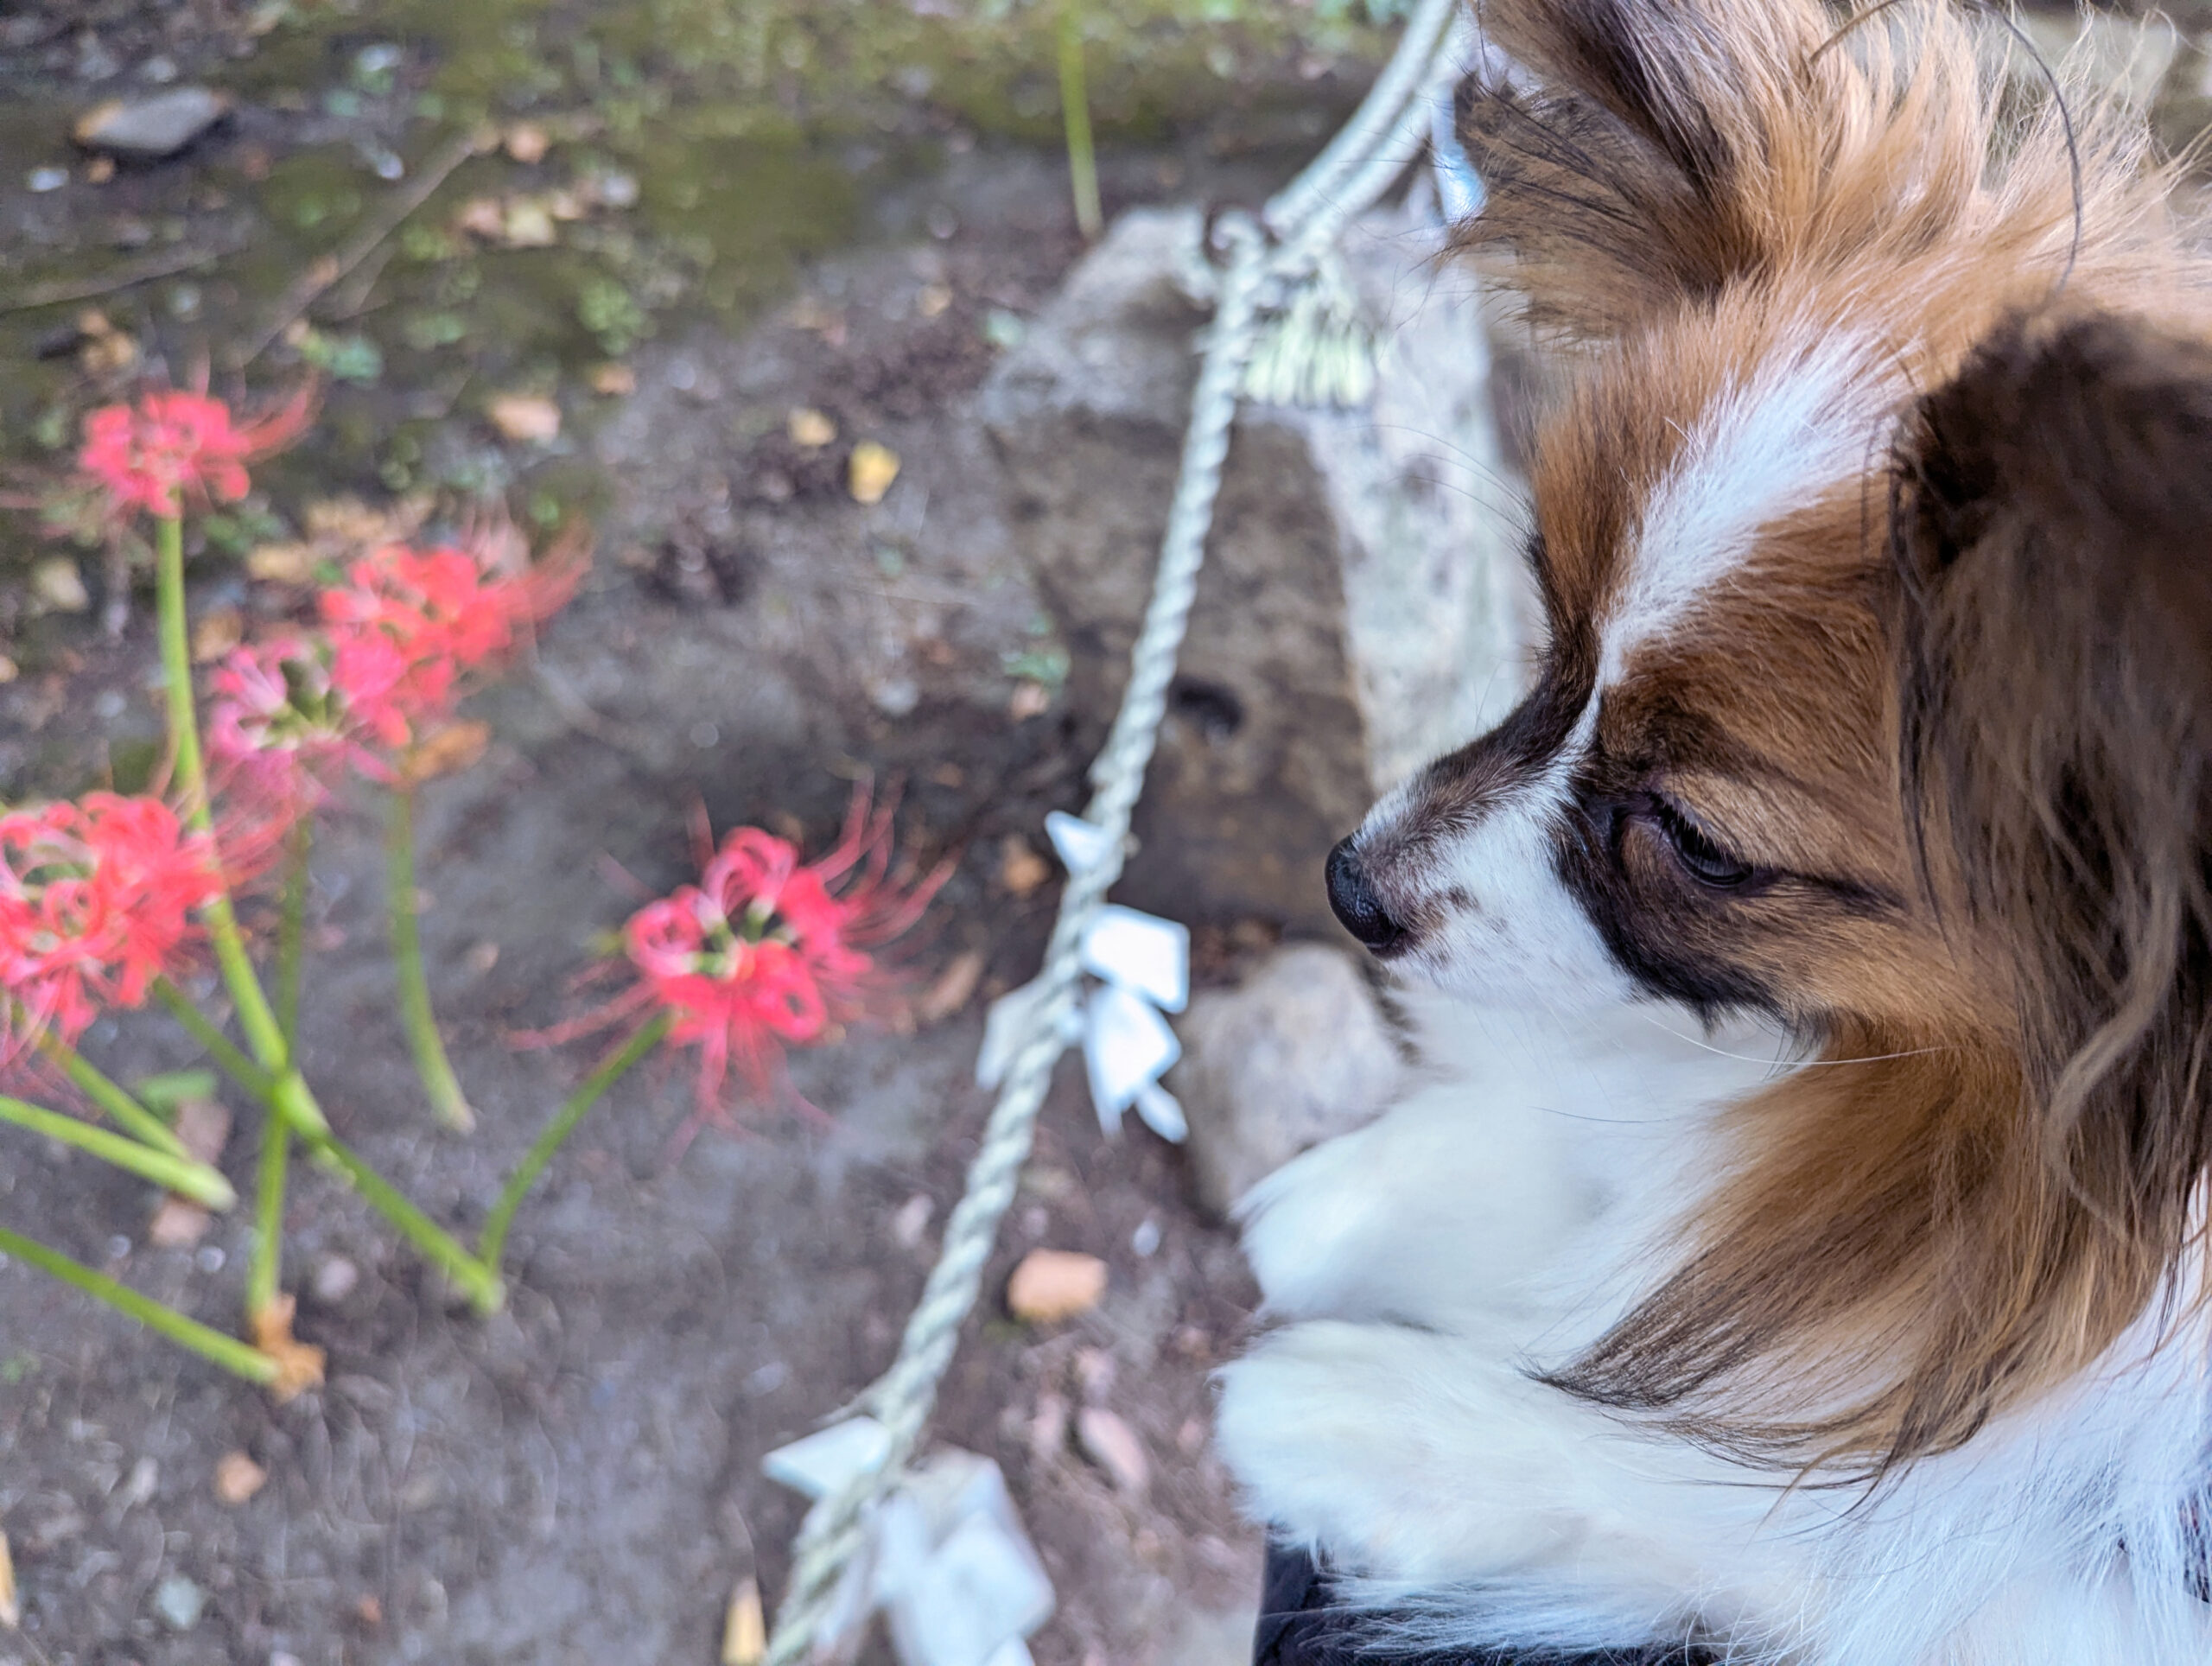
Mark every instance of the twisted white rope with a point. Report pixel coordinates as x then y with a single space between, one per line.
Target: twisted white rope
1305 220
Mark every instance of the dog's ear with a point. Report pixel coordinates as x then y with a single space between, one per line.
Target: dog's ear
1637 154
2053 543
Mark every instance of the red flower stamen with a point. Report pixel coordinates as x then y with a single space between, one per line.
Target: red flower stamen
766 953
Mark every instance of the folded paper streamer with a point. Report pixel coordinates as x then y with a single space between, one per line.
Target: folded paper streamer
946 1560
1142 964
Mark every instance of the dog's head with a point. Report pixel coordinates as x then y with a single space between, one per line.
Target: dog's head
1824 727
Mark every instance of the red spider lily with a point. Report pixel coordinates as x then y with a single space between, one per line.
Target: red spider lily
279 729
173 445
406 625
96 899
766 953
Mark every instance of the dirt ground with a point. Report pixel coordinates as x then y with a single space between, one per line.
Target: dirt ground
577 1478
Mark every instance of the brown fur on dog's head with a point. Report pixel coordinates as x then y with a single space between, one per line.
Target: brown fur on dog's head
1938 808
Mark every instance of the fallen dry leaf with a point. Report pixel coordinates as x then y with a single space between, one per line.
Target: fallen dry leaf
810 428
11 1613
527 143
1030 700
60 587
1114 1446
299 1364
280 563
521 416
875 465
1021 870
237 1478
215 634
104 355
529 225
953 989
614 381
933 300
1050 1285
482 217
446 750
745 1628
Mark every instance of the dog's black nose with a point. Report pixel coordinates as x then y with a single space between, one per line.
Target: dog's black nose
1351 893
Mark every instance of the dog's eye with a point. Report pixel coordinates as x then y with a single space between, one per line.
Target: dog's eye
1704 859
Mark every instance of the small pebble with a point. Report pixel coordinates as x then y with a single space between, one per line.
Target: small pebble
1112 1445
335 1279
237 1478
913 1220
1146 1239
150 127
1050 1285
42 179
179 1603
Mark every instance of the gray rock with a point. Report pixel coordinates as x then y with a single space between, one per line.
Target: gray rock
1428 511
1261 763
1299 1053
1357 585
148 127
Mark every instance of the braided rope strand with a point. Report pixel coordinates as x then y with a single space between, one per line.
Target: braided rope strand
1307 217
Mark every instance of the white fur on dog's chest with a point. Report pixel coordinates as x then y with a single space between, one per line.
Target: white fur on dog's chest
1498 1219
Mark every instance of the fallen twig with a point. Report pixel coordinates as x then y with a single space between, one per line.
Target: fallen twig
167 264
389 215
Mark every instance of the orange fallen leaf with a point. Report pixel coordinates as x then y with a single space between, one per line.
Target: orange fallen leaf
446 750
522 417
299 1364
11 1611
1021 870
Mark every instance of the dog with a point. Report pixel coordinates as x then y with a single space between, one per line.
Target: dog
1794 1247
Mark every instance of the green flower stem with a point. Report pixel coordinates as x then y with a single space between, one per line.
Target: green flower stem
447 1101
479 1283
144 1126
291 933
1075 114
217 1046
265 1266
182 1175
233 1355
263 1033
493 1241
